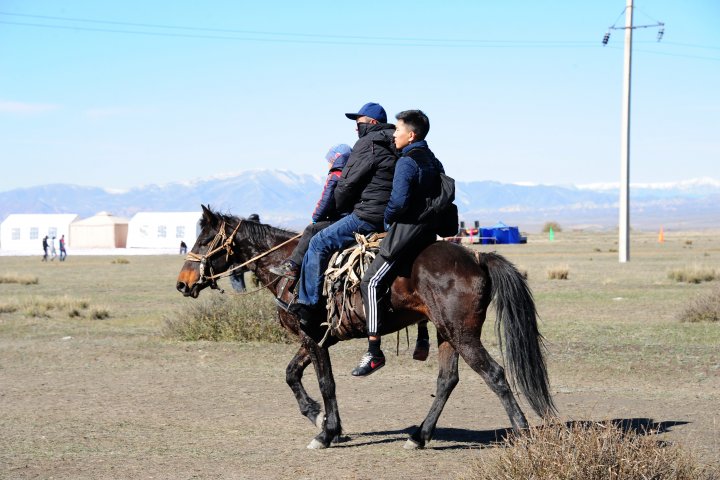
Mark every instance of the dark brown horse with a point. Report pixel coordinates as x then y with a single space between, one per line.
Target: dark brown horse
448 284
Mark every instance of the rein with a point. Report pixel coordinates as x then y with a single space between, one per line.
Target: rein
227 244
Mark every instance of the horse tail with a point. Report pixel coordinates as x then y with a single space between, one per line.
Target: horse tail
516 324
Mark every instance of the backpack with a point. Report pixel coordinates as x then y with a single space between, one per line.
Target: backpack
440 211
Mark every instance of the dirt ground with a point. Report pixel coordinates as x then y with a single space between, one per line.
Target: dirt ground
85 407
87 399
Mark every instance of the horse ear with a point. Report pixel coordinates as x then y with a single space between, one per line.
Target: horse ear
208 216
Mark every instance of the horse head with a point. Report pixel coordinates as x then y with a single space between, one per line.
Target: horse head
212 255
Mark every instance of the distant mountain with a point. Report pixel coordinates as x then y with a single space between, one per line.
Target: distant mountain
287 199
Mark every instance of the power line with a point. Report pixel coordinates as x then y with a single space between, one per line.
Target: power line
668 54
324 39
708 47
328 39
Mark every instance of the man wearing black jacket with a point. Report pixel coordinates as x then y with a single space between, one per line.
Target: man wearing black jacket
417 179
364 190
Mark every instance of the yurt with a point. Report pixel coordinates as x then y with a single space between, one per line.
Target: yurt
103 230
24 232
163 229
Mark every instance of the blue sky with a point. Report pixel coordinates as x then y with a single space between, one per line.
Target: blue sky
516 91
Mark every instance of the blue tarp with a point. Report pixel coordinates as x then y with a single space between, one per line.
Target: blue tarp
501 233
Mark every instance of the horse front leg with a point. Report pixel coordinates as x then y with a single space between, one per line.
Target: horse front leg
293 376
447 379
331 430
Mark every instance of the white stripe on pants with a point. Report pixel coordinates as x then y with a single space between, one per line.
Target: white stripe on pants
372 313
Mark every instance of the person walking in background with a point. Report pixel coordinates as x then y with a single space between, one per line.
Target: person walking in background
45 248
63 252
325 213
183 247
53 252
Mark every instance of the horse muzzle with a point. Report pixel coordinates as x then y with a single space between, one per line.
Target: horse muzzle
188 291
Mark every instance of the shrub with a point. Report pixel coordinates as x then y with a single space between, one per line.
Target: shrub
8 308
21 279
228 318
99 313
705 308
41 307
591 451
694 274
558 273
121 261
554 225
37 311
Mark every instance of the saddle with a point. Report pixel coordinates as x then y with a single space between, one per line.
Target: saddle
342 281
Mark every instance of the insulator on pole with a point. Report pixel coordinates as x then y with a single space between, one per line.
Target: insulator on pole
661 32
606 38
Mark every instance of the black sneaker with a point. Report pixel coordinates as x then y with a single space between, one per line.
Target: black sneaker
306 312
368 364
287 269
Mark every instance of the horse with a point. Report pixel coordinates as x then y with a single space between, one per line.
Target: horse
448 284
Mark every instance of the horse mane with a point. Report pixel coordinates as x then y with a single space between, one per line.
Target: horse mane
260 234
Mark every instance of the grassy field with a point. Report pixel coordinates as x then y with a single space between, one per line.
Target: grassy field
91 324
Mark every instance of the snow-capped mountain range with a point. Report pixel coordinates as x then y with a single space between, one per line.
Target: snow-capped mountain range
287 199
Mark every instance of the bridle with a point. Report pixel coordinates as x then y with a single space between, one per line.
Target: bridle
224 242
221 242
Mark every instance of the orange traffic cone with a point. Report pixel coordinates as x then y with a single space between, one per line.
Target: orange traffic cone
661 236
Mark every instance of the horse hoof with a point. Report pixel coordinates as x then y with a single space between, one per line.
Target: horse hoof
316 445
411 444
319 421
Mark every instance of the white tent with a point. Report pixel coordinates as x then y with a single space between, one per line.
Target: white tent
101 231
24 232
163 229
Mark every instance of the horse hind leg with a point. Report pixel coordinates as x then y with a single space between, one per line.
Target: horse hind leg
447 380
475 355
293 376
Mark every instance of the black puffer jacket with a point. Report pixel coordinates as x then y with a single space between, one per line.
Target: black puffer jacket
366 181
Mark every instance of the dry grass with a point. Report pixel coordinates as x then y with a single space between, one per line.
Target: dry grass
43 307
228 318
120 261
616 349
705 308
8 308
558 273
99 313
20 279
589 451
694 274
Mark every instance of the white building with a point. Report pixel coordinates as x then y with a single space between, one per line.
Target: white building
163 229
24 232
100 231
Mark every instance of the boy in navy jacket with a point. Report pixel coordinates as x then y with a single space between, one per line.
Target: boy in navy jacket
416 179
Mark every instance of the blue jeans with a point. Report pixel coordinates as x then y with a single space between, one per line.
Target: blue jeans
323 244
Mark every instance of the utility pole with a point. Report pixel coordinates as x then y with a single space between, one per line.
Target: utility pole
624 230
624 220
